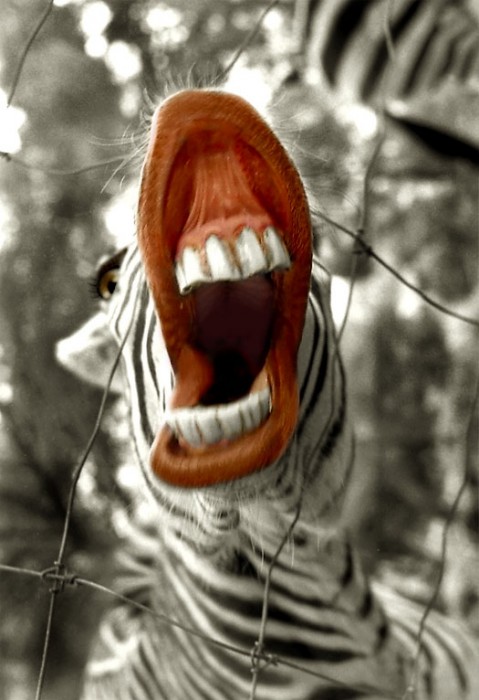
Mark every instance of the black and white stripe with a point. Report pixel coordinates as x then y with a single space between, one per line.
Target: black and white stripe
345 44
204 558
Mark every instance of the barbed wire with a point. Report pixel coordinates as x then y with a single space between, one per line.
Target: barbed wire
58 576
362 226
369 250
58 565
362 247
357 235
61 579
259 644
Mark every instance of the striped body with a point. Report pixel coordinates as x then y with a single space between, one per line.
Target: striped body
204 559
204 556
346 47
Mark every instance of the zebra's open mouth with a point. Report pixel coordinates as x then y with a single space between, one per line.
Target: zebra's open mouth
225 235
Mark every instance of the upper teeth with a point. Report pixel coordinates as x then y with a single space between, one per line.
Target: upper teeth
206 425
248 254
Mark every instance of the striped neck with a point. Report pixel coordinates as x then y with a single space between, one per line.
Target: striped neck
321 615
321 612
215 546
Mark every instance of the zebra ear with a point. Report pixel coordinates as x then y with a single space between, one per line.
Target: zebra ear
89 353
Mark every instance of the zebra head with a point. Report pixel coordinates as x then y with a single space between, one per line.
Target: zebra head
223 317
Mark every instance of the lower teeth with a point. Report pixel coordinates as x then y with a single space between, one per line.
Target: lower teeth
207 425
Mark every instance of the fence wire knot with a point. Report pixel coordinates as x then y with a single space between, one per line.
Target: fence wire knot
6 156
59 576
260 660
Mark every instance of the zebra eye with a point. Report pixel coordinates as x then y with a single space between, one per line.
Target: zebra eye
106 279
106 283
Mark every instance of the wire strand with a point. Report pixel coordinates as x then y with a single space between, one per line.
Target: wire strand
266 658
58 564
57 574
28 45
244 45
259 645
67 171
444 544
367 249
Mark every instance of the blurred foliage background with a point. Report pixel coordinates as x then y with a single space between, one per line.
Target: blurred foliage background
81 97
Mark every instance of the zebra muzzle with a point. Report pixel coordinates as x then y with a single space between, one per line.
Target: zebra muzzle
224 231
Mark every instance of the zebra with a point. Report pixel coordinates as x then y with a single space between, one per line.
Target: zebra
242 434
415 60
369 51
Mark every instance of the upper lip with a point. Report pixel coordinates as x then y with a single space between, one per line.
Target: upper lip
220 207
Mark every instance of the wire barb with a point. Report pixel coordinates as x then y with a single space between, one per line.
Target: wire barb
259 644
60 577
387 266
259 660
58 570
